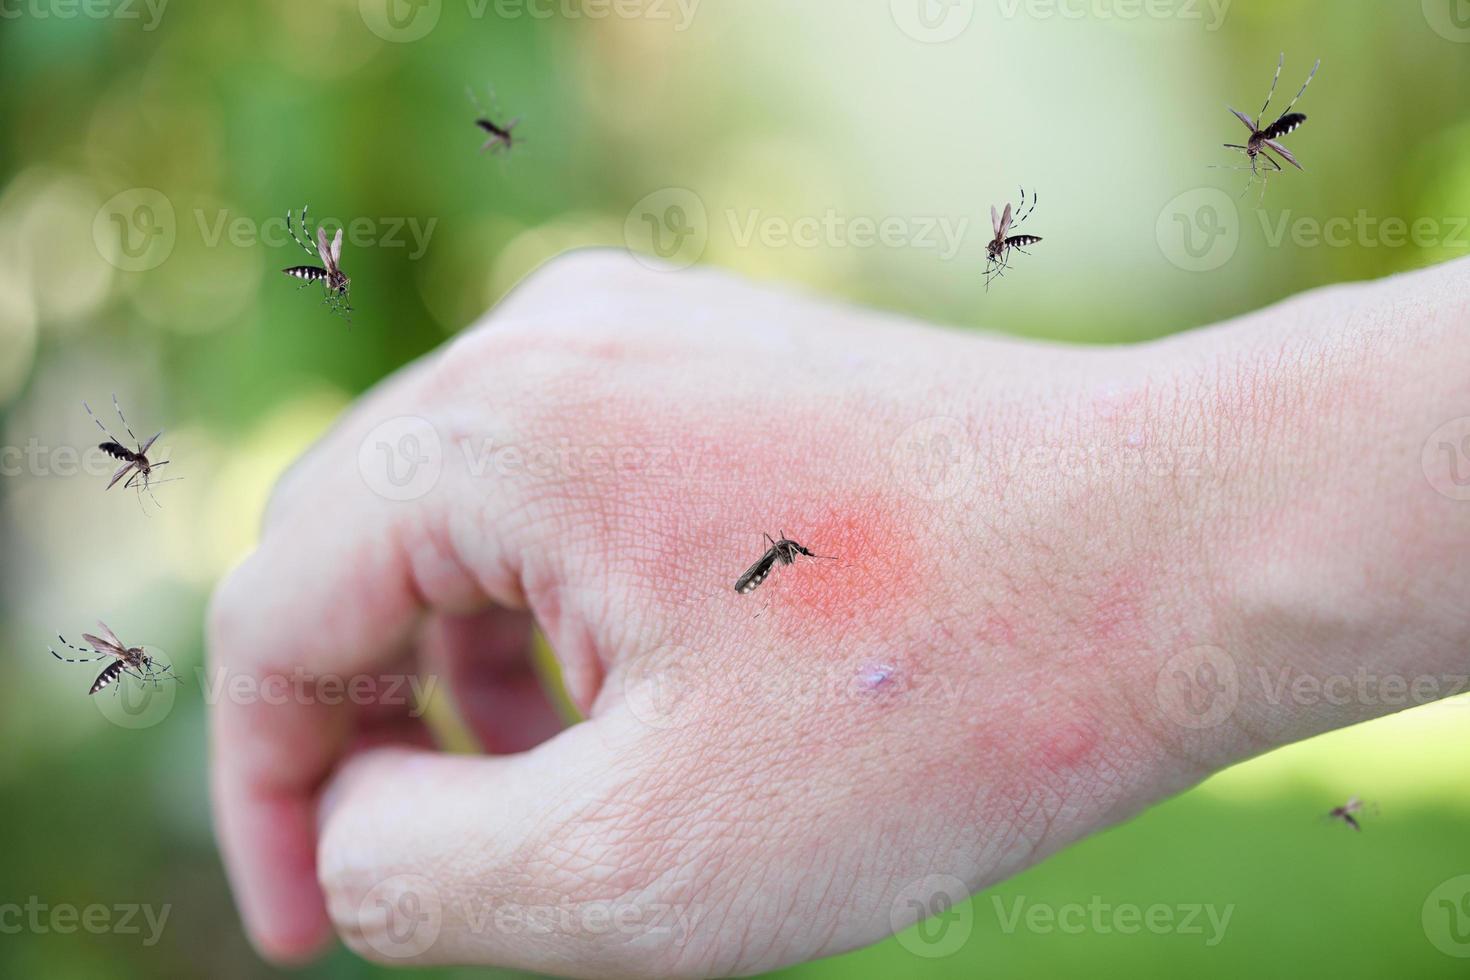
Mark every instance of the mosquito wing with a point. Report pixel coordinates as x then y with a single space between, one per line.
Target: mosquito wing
1244 119
337 249
756 574
324 250
995 220
1005 223
1285 153
143 449
107 634
122 471
104 645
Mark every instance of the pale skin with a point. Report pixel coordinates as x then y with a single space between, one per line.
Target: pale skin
997 665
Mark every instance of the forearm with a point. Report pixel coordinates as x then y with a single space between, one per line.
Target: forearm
1336 572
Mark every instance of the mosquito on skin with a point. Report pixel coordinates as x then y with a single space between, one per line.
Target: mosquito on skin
783 552
332 277
998 252
1266 140
134 461
125 659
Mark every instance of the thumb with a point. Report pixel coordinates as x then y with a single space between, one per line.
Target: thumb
518 861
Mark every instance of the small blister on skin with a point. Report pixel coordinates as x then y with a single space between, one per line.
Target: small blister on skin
876 677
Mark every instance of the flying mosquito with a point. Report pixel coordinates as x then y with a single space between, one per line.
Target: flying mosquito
332 277
1264 141
784 551
134 461
125 659
501 138
998 252
1346 813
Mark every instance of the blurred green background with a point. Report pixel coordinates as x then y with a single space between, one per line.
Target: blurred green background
143 152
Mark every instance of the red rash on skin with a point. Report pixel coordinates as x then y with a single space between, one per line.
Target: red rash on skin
1065 748
878 573
1118 612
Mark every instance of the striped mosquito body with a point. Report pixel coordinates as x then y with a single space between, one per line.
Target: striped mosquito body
1264 144
998 252
134 661
329 274
137 469
502 138
783 552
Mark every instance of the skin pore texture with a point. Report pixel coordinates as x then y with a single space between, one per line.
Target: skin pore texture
1062 581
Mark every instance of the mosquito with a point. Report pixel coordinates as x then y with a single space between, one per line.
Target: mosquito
784 552
501 138
1346 812
332 277
1265 141
125 659
134 461
998 252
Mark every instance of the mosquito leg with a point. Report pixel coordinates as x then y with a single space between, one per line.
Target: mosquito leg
81 660
1272 94
302 222
1021 204
109 435
1304 87
124 418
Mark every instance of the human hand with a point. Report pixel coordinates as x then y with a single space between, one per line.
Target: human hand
1058 572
